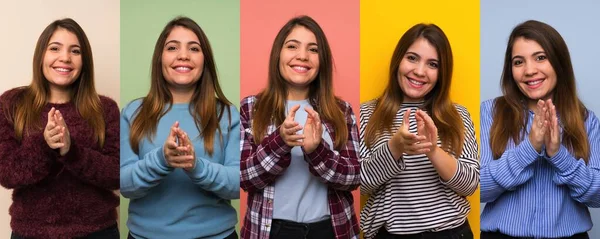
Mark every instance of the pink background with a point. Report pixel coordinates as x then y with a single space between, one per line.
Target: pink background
260 22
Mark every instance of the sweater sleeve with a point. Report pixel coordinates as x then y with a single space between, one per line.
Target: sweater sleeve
378 165
22 162
260 163
338 169
139 174
222 179
465 180
513 168
99 167
583 180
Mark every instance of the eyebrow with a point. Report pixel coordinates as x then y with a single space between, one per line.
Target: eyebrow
414 53
534 54
178 42
298 42
58 43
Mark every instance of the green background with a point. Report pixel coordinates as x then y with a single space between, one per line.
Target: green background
141 24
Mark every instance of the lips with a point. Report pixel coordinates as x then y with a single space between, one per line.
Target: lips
300 69
62 70
415 83
182 69
534 84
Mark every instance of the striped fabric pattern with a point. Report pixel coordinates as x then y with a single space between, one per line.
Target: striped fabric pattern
531 195
407 195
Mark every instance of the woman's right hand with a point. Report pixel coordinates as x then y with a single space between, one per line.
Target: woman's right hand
404 141
177 156
53 133
539 126
289 129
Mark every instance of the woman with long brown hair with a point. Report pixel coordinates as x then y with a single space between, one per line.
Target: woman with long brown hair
299 162
59 149
418 149
540 160
180 145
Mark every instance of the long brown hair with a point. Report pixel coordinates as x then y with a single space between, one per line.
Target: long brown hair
444 114
25 114
510 110
207 99
270 106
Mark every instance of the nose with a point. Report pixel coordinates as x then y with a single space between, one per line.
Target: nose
65 56
419 70
530 69
302 55
183 55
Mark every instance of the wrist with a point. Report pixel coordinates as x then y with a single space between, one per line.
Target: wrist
396 149
434 153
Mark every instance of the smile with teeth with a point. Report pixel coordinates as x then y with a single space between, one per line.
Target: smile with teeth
60 69
183 69
300 69
534 82
414 82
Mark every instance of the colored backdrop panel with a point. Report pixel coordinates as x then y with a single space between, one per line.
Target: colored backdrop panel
22 23
141 24
261 21
382 23
573 21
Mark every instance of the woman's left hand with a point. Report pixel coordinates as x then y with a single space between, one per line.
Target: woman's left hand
313 130
552 136
186 147
427 128
66 139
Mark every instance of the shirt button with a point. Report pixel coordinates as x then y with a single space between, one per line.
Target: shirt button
269 201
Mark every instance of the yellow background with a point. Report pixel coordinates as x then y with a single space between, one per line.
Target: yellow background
382 23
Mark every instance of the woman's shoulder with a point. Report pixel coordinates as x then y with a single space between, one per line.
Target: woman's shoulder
368 105
107 101
591 119
131 107
11 95
344 105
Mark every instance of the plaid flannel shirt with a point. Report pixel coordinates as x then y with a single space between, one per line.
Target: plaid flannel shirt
261 165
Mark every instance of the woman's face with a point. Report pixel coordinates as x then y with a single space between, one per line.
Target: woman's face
532 70
418 70
62 59
299 57
182 58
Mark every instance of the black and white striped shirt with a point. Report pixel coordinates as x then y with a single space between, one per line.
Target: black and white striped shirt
407 194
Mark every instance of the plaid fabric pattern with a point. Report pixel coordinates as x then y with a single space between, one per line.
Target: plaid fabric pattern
262 163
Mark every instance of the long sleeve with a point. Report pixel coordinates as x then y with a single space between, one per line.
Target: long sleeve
378 165
222 179
583 180
24 162
139 174
465 180
260 164
99 167
338 169
513 168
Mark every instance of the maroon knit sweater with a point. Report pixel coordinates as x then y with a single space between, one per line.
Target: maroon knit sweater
60 196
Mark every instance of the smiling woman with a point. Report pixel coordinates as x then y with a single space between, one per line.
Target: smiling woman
180 144
538 140
299 162
418 149
60 143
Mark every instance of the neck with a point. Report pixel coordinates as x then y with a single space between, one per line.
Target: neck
297 93
59 95
182 95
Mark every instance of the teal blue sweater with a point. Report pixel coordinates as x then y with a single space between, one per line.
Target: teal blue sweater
173 203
